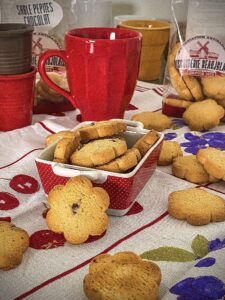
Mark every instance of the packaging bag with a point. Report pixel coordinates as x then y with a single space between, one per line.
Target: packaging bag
196 60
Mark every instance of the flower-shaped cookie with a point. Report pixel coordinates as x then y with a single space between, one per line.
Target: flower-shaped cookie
14 242
122 276
187 167
203 115
213 161
197 206
78 210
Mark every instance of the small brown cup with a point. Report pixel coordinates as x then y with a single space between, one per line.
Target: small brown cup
16 48
155 37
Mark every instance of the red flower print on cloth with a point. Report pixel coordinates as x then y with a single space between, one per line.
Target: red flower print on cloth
46 239
8 201
24 184
6 219
95 238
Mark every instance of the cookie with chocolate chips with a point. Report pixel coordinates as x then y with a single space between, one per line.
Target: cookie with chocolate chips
77 210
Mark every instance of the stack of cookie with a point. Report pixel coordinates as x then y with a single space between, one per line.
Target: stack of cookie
190 89
101 145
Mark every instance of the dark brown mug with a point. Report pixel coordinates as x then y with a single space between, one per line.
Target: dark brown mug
16 48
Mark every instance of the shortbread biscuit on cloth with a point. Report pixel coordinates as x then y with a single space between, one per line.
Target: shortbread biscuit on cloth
98 152
51 138
214 87
44 92
146 142
122 276
169 151
77 210
153 120
123 163
187 87
65 148
187 167
203 115
197 206
14 242
101 129
213 161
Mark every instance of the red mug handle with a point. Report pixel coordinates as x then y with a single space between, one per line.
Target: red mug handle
41 68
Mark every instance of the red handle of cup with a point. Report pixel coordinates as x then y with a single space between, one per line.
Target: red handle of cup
41 68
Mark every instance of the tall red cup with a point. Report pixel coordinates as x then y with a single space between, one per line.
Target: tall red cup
17 96
102 66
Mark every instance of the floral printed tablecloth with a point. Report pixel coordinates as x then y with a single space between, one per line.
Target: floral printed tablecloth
191 258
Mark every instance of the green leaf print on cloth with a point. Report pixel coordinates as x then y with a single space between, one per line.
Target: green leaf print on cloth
200 246
169 254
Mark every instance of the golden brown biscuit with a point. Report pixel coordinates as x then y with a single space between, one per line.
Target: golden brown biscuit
51 138
187 167
101 129
123 163
146 142
169 151
44 92
203 115
187 87
175 77
64 149
77 210
197 206
153 120
177 102
214 87
98 152
14 242
122 276
213 161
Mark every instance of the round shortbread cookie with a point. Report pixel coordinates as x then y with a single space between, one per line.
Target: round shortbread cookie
197 206
77 210
98 152
187 167
213 161
46 93
214 87
14 242
203 115
123 163
153 120
122 276
170 150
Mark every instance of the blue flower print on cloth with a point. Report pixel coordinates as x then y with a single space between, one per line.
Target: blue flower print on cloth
206 262
216 244
170 136
208 139
199 288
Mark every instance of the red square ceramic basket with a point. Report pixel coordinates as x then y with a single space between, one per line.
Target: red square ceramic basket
123 189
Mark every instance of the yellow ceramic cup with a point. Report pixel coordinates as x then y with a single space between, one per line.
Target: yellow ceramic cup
155 37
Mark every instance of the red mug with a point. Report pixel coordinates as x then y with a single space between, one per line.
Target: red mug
17 97
102 67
